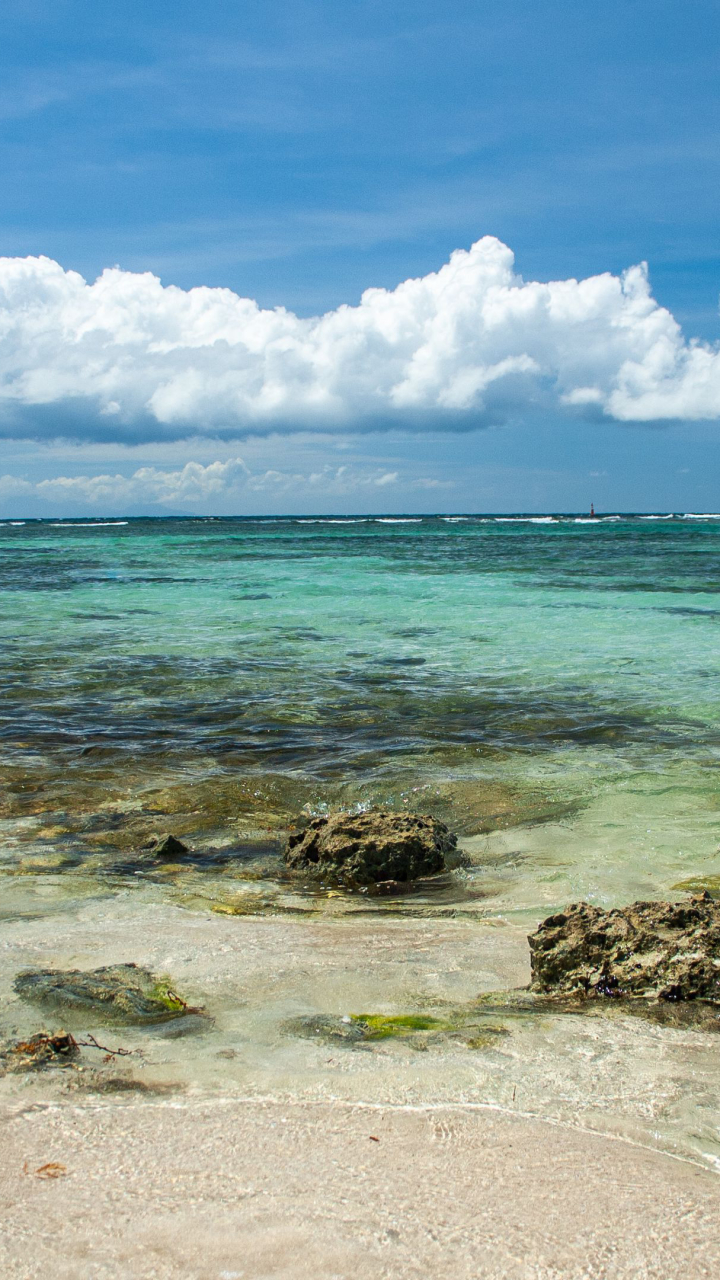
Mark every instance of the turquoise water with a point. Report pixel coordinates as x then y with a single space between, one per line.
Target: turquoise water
548 686
320 657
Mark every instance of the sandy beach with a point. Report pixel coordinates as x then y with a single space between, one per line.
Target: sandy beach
263 1188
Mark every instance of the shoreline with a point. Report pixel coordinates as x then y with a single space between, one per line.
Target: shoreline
280 992
198 1189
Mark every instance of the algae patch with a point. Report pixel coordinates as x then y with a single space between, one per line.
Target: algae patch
699 884
418 1030
378 1026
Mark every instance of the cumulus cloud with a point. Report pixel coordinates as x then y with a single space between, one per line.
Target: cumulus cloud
126 356
193 485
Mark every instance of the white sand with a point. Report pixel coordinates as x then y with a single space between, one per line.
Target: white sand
267 1189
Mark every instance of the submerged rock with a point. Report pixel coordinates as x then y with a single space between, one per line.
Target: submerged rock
45 1049
167 846
419 1030
663 950
372 847
118 993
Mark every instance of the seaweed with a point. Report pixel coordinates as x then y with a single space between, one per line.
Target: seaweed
418 1030
53 1049
379 1026
45 1049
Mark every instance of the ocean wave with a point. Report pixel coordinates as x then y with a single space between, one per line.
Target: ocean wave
523 520
88 524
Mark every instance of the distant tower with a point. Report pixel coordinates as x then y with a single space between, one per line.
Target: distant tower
592 509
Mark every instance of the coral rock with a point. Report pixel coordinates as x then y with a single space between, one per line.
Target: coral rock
664 950
366 848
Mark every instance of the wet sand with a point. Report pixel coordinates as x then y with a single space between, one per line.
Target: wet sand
262 1188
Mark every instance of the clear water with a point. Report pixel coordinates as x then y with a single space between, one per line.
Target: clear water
550 687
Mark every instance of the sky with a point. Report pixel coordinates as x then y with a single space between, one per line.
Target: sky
263 258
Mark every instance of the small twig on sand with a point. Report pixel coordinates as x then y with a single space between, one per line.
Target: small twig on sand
53 1169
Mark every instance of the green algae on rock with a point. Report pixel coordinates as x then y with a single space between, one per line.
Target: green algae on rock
118 993
380 1026
662 950
371 847
699 884
419 1030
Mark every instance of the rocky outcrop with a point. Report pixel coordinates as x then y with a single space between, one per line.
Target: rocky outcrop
370 848
661 950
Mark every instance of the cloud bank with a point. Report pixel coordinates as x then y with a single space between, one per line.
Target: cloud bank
126 358
195 485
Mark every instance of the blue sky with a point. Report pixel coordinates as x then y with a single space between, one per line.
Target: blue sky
299 155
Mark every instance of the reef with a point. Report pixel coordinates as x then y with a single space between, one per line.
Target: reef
370 848
656 950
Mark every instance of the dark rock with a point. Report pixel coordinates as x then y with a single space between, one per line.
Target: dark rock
663 950
366 848
117 993
167 846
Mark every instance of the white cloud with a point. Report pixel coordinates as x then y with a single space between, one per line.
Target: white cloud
11 486
192 485
126 358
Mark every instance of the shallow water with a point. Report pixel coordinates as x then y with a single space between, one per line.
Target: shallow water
548 687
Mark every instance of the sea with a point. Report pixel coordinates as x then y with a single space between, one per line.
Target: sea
549 686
